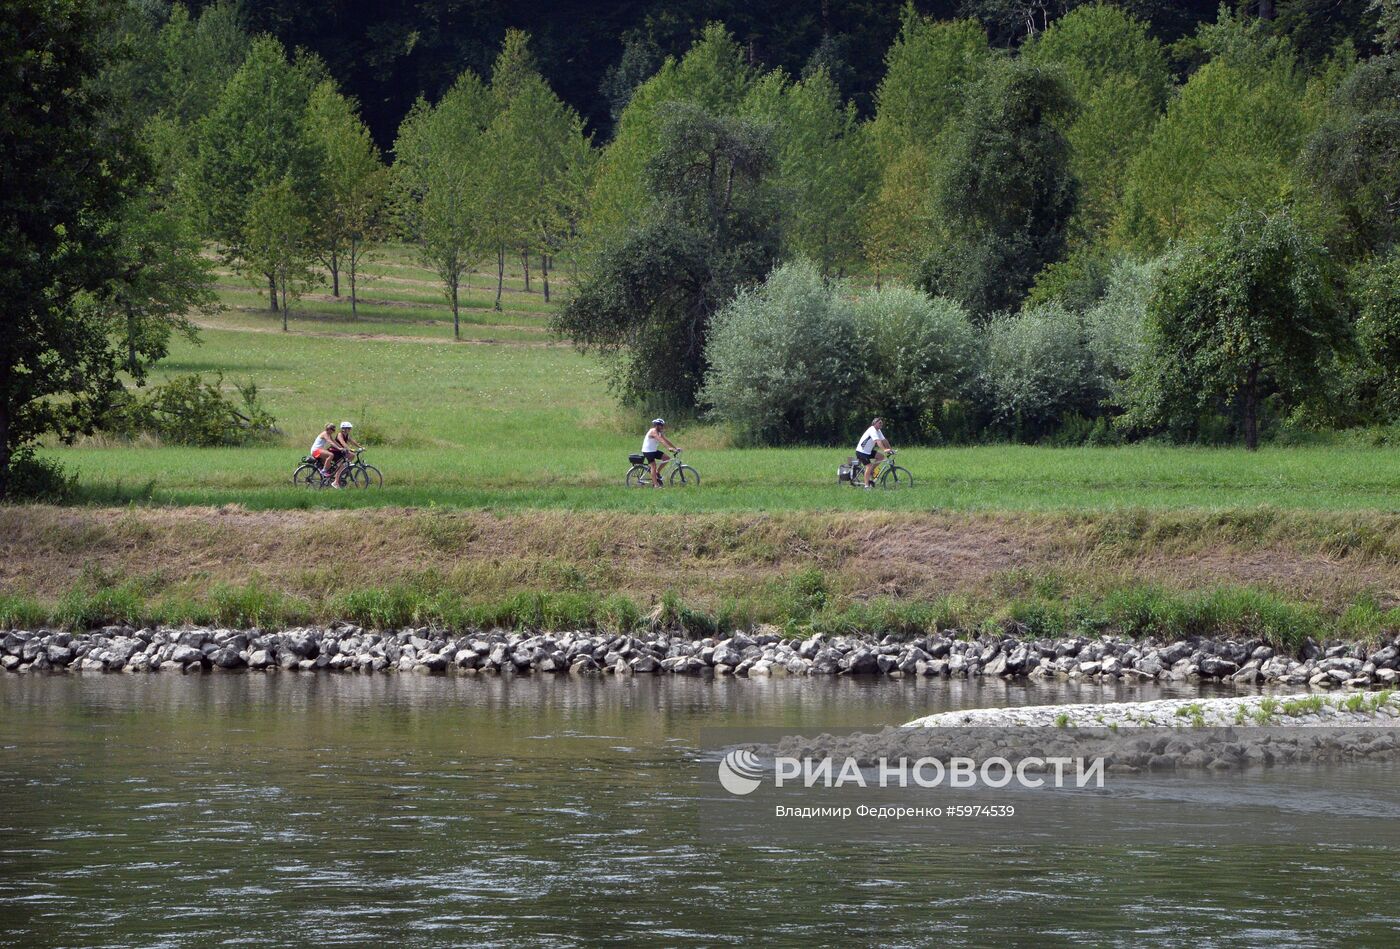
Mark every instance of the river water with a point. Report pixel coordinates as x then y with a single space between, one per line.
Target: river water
296 810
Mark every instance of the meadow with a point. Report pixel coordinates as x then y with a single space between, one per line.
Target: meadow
509 418
504 456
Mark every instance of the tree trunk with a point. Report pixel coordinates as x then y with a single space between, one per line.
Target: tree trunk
1251 409
525 261
272 293
354 265
456 322
335 274
4 448
544 275
500 274
130 341
1266 9
283 291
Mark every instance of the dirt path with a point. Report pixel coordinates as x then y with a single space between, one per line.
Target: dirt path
208 324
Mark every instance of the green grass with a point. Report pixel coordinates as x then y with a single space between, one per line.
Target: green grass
517 424
431 598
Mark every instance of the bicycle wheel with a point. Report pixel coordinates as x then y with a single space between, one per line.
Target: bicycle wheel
896 477
639 476
307 476
683 476
365 476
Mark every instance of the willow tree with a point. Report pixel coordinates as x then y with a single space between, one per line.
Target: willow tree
714 75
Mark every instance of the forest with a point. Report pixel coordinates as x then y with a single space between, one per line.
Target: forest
1046 222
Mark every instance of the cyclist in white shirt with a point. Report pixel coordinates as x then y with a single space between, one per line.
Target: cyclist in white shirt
871 449
651 449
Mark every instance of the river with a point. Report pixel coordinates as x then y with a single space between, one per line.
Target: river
284 809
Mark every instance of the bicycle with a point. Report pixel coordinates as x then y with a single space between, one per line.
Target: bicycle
363 475
681 475
887 474
357 474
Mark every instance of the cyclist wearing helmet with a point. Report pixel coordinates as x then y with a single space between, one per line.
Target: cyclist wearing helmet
651 449
869 449
343 444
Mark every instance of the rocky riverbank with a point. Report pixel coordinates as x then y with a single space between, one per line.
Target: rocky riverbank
765 652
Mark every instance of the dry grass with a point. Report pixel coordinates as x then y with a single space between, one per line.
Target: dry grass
1324 559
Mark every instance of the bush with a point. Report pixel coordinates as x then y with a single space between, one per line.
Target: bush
1378 330
189 411
920 355
39 479
785 359
1038 371
1115 327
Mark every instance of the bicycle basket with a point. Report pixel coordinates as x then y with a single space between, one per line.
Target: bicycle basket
637 458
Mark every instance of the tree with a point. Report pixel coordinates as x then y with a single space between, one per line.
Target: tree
1230 138
1245 315
353 184
1005 192
1121 81
278 240
255 136
919 355
785 359
713 75
69 257
1378 330
711 228
822 174
1353 159
929 70
641 57
439 185
160 279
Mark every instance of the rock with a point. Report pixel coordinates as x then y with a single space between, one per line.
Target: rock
1216 668
226 658
585 666
183 654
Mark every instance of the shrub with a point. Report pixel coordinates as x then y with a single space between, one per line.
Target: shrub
1378 329
785 359
39 479
1038 370
920 355
187 410
1115 327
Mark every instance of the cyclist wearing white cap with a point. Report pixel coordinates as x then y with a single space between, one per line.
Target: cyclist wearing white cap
344 442
651 449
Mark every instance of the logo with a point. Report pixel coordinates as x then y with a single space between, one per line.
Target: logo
740 772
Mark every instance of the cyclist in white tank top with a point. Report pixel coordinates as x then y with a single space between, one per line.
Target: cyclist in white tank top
651 449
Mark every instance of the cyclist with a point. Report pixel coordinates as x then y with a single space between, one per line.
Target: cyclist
651 449
345 444
871 448
326 449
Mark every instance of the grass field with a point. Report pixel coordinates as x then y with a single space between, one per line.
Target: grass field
509 419
504 456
